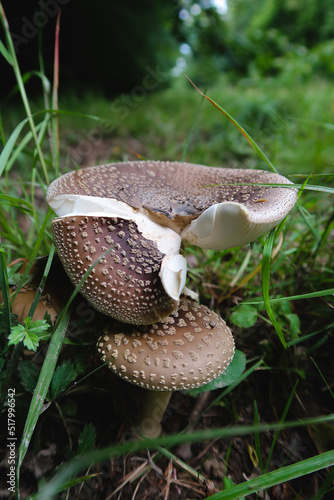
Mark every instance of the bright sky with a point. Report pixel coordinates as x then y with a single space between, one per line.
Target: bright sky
221 6
185 49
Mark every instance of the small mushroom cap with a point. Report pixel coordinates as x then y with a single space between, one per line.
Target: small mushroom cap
176 193
55 291
47 303
229 224
125 283
186 350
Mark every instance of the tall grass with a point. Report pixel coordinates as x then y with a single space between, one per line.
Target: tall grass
268 283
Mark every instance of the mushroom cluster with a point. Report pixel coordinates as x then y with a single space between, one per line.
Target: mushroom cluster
127 222
142 212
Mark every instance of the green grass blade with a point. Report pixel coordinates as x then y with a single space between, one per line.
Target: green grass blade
4 286
278 476
54 122
7 150
19 80
192 128
314 187
238 127
311 295
79 285
42 283
7 312
34 252
299 187
325 234
282 420
42 387
230 388
266 264
20 147
42 77
257 437
4 52
326 486
70 484
70 469
323 378
17 202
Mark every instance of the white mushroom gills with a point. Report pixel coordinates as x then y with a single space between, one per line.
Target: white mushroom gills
174 266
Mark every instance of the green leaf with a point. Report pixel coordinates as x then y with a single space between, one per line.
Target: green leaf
63 376
14 279
31 341
30 333
18 335
232 373
29 373
86 439
244 316
38 327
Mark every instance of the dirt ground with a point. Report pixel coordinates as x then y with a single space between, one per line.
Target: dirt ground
110 404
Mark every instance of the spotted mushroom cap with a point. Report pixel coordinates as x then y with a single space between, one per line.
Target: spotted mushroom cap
125 283
186 350
203 204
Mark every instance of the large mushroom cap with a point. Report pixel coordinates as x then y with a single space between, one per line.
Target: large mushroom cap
125 283
203 204
186 350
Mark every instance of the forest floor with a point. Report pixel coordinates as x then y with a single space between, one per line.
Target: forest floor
292 384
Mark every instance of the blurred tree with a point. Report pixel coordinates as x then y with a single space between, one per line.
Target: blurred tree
206 32
306 22
208 38
266 30
104 44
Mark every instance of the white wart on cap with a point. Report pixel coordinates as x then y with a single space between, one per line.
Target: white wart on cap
125 282
209 207
186 350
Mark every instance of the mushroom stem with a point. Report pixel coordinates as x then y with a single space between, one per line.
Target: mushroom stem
154 407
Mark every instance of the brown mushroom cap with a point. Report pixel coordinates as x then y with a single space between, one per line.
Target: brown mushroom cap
175 193
55 291
125 283
47 303
186 350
